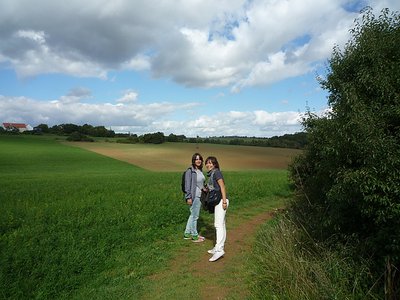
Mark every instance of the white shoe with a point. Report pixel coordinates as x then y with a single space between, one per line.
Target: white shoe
211 251
217 255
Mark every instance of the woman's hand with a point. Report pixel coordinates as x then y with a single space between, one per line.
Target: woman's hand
189 201
221 184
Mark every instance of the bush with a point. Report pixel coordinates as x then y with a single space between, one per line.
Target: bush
347 179
79 137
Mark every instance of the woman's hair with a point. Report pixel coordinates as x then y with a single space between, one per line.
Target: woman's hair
194 160
213 160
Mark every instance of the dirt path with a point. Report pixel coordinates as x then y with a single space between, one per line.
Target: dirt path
227 272
238 243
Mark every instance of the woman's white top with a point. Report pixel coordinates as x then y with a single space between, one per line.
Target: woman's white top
200 182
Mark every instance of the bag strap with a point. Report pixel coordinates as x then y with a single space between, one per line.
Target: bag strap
211 179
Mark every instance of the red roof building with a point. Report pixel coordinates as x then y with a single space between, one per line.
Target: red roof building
20 126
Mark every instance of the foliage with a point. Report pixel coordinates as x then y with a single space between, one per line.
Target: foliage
348 178
175 138
9 130
153 138
44 128
67 129
295 141
79 137
287 264
148 138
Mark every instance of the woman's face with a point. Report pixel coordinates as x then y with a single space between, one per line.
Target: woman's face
209 165
198 161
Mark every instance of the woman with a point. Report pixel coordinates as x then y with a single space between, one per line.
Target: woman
216 180
194 183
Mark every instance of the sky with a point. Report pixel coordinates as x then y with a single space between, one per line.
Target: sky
198 68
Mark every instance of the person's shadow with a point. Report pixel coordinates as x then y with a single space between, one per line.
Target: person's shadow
206 229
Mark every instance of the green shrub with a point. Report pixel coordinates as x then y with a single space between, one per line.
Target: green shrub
347 180
78 137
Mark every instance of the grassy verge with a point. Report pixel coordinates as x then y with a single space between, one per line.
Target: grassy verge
286 264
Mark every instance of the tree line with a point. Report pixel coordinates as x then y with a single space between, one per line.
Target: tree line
86 132
296 140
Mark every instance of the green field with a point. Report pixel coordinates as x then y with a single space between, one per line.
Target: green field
77 224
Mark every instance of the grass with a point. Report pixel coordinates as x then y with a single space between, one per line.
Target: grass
68 215
76 224
287 264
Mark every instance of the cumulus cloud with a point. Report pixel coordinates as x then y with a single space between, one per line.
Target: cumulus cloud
129 96
233 123
144 118
75 95
22 109
235 43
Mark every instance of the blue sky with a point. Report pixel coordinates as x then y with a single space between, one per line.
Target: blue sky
206 68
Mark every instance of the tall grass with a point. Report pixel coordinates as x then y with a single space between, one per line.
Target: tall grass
287 264
75 224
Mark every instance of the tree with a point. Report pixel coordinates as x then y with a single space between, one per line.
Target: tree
175 138
43 128
348 178
153 138
69 128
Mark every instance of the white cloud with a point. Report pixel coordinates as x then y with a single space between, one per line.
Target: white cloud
139 118
196 43
229 43
234 123
138 63
264 118
38 36
129 96
21 109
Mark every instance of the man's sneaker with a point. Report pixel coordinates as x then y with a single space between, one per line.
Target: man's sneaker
211 251
217 255
198 239
187 236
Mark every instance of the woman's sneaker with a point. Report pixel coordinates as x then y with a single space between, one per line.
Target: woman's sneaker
211 251
217 255
187 236
198 239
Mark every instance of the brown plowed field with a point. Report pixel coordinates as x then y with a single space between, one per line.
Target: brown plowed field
177 156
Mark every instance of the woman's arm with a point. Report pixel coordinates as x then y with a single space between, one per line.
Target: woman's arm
221 184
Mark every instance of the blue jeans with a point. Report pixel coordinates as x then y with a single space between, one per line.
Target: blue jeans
191 225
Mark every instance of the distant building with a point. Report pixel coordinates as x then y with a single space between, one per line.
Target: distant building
21 127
